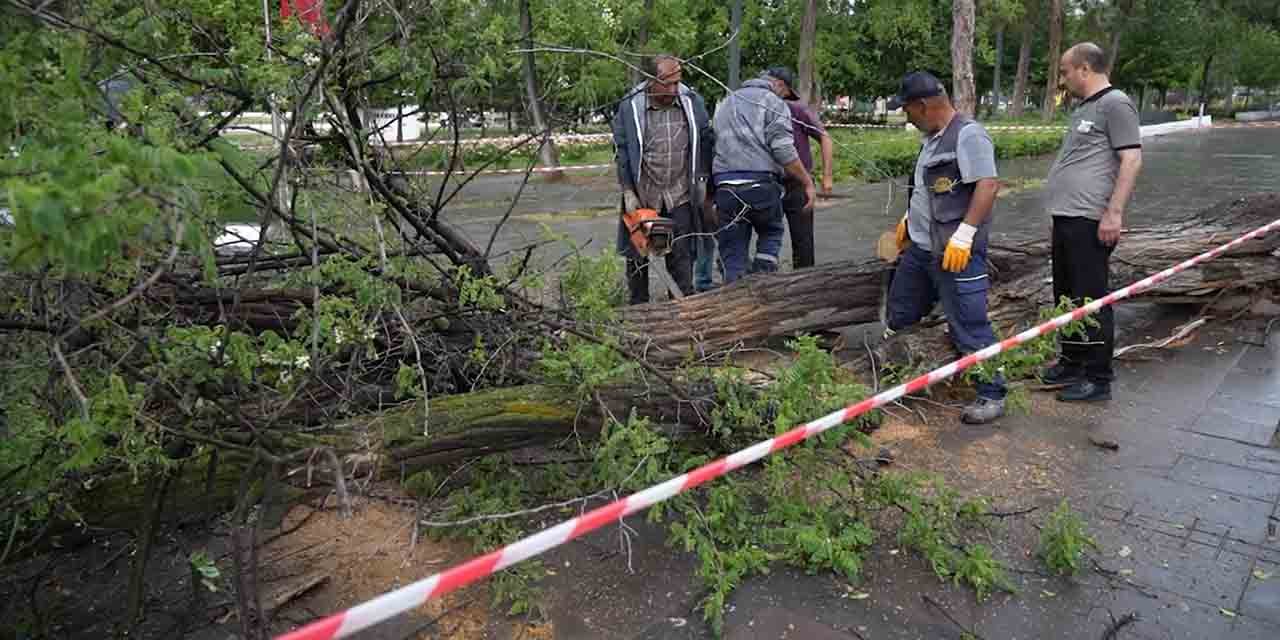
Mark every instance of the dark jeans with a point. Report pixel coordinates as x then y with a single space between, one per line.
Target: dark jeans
1081 269
742 209
704 264
800 224
919 283
679 261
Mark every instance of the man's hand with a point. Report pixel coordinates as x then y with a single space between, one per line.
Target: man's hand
959 248
810 195
827 184
904 240
1109 227
630 202
710 216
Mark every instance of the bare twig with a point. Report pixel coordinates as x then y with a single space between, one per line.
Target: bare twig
179 227
1181 333
1010 514
13 534
1113 630
582 500
81 400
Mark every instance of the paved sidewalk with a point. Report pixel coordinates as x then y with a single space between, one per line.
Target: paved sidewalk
1185 512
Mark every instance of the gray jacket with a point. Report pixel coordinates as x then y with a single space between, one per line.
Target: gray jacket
753 132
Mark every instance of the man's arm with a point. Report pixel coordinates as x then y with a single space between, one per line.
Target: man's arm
1124 133
620 140
795 170
976 155
1113 218
812 126
828 162
984 199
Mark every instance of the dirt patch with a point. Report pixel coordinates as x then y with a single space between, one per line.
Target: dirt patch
373 552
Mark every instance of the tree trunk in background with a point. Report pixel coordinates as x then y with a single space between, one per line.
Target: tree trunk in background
1125 8
1205 98
548 154
1050 106
806 83
964 94
1024 65
642 42
995 82
735 47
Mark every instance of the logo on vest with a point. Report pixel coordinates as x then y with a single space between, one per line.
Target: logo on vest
943 185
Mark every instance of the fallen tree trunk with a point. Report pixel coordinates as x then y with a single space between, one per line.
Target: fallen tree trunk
400 442
840 294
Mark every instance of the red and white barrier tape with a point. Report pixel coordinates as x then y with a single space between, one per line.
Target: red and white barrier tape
994 127
341 625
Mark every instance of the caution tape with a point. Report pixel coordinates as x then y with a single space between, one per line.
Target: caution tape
341 625
995 127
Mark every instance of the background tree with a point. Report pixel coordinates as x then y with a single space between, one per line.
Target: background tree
807 80
964 94
1050 106
550 159
1019 99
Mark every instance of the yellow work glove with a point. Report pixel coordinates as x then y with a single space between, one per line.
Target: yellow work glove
903 240
956 257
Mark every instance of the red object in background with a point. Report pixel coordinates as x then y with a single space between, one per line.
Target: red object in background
309 12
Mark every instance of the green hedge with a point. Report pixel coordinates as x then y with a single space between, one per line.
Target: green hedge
435 157
875 156
863 155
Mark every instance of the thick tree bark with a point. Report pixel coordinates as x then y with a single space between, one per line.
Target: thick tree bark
1050 106
1024 65
394 444
765 306
548 154
806 83
964 95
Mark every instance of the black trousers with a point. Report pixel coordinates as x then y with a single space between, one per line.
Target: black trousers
1081 269
679 261
800 225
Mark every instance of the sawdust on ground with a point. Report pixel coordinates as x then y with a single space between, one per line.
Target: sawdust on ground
373 552
990 461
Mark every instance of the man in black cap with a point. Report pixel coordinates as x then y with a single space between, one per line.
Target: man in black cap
804 125
942 239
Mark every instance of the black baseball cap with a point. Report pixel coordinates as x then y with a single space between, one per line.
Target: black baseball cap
784 74
916 85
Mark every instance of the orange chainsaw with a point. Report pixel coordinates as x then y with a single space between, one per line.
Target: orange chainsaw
650 233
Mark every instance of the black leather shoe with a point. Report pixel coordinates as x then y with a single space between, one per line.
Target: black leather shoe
1086 392
1062 375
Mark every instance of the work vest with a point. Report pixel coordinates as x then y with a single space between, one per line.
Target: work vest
949 196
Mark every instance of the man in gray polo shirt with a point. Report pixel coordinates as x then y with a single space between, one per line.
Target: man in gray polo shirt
1086 193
